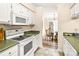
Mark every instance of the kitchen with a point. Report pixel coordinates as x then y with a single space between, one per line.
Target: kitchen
39 29
19 35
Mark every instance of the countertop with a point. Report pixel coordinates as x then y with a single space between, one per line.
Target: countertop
10 42
7 44
31 33
74 41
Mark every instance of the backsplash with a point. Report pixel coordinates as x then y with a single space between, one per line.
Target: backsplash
11 27
11 30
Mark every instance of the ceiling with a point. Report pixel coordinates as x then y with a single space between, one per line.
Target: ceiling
50 5
46 5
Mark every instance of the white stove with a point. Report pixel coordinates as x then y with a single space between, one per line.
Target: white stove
25 46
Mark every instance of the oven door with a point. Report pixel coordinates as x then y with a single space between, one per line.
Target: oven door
26 47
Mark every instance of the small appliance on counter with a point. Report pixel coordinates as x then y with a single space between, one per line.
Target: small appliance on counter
2 34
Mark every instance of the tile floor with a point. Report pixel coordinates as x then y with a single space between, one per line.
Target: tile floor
46 52
48 49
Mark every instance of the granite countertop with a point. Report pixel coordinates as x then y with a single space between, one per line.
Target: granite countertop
7 44
74 41
30 33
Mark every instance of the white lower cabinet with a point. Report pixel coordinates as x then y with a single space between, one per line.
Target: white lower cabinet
68 49
13 51
36 42
35 45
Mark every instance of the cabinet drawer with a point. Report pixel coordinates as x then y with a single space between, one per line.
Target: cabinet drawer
10 51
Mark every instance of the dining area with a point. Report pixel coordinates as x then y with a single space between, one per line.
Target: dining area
51 39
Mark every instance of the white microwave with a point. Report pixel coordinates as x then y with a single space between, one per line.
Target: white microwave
18 19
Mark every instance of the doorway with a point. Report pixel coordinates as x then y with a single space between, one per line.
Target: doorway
50 30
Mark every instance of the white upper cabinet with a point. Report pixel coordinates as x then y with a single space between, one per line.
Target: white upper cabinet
76 7
24 13
5 12
29 6
30 13
16 14
30 17
75 11
19 9
72 11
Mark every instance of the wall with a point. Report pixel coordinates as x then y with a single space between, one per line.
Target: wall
72 26
63 18
38 22
66 24
38 19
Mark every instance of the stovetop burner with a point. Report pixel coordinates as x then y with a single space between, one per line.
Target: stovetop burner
19 38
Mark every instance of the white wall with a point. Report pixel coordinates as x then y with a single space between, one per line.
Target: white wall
63 18
72 26
38 19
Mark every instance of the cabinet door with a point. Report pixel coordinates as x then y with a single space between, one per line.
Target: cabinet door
19 9
68 49
5 10
37 39
16 8
34 43
10 52
72 12
76 7
65 50
75 10
71 50
40 39
30 21
30 17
